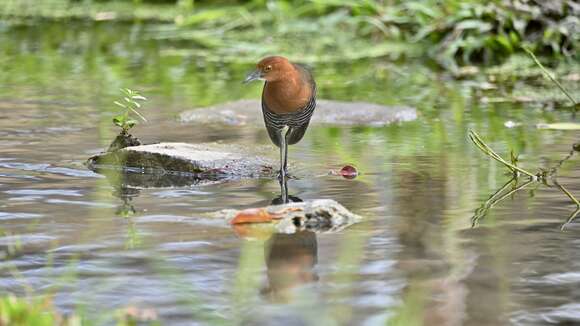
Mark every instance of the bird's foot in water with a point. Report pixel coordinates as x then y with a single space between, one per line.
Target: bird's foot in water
283 175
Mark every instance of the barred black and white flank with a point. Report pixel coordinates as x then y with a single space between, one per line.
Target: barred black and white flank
297 121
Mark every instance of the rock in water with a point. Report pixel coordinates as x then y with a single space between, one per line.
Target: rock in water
248 112
199 159
321 215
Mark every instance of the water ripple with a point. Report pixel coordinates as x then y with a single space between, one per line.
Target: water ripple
25 239
51 169
44 192
558 278
15 216
568 314
78 202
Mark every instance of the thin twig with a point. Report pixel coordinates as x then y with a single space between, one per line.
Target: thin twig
476 139
547 73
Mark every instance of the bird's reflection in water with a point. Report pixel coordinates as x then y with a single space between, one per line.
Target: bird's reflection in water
290 258
290 262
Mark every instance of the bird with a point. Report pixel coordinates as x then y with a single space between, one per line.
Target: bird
288 102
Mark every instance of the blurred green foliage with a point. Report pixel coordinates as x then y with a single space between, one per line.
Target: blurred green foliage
451 32
15 311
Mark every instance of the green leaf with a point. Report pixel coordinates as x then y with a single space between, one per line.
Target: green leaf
139 114
130 123
119 120
120 104
559 126
474 24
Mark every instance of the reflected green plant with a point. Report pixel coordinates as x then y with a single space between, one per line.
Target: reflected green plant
411 311
497 197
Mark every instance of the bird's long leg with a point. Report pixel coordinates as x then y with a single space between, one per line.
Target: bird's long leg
283 190
283 153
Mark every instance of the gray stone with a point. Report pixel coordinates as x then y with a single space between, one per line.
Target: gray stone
248 112
199 161
320 215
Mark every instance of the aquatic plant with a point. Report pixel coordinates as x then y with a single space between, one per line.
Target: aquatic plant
542 177
516 170
129 105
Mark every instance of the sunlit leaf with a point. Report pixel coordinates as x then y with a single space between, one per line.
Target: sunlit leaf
119 120
559 126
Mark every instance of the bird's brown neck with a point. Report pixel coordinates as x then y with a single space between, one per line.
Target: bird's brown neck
289 94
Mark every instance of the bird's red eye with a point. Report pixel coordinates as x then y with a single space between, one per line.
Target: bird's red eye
268 68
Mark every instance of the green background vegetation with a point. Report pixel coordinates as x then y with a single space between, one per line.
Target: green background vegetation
448 32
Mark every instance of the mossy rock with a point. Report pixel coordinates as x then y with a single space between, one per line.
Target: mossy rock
180 160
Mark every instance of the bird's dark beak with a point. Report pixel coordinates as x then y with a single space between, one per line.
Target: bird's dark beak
254 75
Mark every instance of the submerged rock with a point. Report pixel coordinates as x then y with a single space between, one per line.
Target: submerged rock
248 112
181 161
321 215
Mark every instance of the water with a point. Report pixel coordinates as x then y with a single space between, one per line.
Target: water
415 258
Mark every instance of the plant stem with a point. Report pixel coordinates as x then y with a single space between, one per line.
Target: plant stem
547 73
476 139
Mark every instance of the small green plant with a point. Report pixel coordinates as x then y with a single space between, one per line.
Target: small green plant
129 104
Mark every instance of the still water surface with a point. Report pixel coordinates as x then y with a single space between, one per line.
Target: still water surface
415 259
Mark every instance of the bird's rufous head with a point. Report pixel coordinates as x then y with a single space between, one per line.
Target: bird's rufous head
270 69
